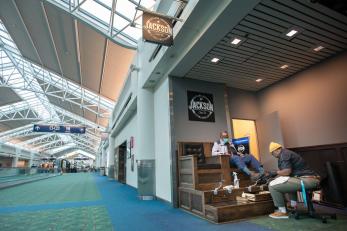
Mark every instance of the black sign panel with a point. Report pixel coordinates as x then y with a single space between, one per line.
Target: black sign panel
157 29
200 106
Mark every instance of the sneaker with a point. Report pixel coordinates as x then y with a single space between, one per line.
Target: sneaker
279 215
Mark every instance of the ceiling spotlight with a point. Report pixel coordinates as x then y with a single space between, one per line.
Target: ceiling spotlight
318 48
258 80
215 60
236 41
292 33
284 66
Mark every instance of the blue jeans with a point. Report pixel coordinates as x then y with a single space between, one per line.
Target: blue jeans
242 162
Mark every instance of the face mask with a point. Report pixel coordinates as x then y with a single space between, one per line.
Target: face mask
226 140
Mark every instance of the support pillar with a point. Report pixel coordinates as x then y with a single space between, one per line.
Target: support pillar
145 124
110 156
14 161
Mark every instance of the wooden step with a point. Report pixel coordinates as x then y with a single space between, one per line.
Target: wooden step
235 210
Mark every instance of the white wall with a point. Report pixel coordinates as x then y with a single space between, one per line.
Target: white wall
162 141
124 135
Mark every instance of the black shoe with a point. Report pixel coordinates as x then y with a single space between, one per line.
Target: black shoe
256 177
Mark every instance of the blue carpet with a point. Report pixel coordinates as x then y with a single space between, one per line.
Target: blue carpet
129 214
125 211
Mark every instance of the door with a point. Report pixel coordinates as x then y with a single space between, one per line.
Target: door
122 163
116 169
246 128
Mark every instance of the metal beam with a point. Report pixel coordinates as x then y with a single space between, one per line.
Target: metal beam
57 87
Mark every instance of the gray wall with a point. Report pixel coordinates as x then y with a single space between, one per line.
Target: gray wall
186 130
312 106
243 104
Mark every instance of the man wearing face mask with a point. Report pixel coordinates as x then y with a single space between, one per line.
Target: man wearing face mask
224 146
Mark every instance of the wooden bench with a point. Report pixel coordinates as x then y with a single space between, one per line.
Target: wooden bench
200 172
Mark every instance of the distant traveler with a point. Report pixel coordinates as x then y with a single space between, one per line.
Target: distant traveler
292 170
224 146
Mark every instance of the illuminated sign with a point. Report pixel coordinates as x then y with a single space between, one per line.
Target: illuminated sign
157 29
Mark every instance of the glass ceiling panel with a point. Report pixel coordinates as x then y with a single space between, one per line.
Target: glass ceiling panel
98 12
126 8
107 2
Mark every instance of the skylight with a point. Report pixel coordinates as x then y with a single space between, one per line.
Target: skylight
22 77
126 19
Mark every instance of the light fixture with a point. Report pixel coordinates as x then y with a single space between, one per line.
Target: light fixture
318 48
215 60
236 41
258 80
284 66
291 33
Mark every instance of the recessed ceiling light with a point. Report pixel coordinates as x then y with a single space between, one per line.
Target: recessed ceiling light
291 33
284 66
318 48
258 80
215 60
236 41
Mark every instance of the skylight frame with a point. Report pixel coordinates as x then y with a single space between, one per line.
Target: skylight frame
86 11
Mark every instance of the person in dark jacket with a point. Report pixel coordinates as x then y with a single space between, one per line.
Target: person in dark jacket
293 174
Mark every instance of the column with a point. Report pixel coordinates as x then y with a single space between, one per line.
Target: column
145 124
110 156
14 161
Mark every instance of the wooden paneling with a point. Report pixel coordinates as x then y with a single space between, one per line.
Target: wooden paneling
197 180
317 156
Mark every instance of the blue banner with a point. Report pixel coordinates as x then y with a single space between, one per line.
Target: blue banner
59 128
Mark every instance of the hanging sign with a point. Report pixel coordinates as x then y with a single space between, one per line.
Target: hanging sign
59 128
200 106
157 29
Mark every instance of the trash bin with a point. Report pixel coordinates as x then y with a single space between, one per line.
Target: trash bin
146 179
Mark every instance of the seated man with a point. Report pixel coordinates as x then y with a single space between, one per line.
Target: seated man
224 146
294 170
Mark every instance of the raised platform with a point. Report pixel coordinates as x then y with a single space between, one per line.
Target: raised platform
200 174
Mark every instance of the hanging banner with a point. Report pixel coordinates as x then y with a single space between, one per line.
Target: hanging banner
157 29
59 128
242 145
200 106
